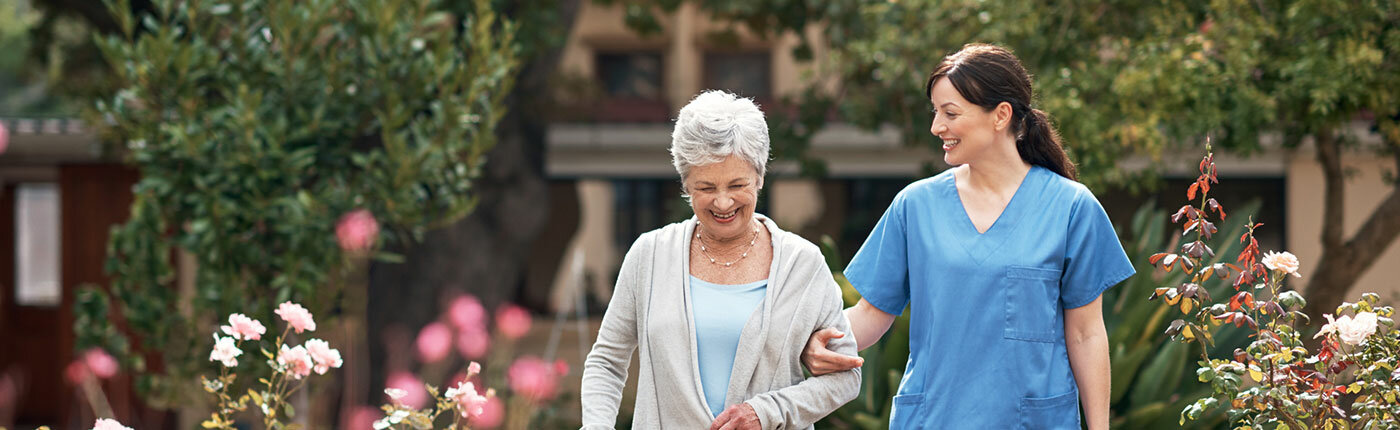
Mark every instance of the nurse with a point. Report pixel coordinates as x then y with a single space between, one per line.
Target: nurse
1001 260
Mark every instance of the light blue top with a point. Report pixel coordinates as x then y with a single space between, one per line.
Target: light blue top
720 312
986 330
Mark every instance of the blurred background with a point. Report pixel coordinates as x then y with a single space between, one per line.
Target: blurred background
111 235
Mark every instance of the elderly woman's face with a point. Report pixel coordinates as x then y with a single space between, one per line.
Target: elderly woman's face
723 195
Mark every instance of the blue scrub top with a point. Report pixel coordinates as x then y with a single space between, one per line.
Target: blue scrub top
986 334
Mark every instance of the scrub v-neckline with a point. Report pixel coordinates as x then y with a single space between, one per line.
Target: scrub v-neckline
980 245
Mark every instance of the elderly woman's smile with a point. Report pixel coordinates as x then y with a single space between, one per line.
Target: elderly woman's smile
723 195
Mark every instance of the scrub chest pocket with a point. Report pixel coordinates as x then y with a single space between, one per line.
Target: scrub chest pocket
1032 304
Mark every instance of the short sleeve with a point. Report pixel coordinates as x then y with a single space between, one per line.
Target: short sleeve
880 269
1094 258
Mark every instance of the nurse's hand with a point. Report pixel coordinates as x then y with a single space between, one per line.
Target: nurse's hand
737 417
821 361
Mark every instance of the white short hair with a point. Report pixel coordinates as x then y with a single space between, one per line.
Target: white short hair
715 125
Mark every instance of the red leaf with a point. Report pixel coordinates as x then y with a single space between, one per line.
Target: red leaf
1191 192
1156 257
1180 213
1214 205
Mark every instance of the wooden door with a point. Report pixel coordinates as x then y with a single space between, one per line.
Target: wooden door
36 342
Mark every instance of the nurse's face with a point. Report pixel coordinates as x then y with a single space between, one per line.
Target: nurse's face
968 131
723 195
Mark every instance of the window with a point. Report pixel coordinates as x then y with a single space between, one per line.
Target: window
632 87
37 245
642 205
867 201
632 75
745 74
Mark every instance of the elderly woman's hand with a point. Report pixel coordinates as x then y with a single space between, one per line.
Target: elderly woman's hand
821 361
737 417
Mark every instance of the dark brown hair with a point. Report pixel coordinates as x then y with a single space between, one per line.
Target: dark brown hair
988 75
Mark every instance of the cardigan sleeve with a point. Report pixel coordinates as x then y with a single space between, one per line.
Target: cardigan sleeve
801 405
605 369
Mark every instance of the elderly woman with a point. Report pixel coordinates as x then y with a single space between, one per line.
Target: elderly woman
720 304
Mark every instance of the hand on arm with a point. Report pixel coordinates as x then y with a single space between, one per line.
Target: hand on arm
737 417
868 325
1086 340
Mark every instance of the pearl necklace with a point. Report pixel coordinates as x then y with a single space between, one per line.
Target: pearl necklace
705 250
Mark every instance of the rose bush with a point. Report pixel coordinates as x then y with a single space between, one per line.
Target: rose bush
290 367
414 402
1351 381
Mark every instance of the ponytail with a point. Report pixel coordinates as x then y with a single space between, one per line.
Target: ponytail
1039 144
988 75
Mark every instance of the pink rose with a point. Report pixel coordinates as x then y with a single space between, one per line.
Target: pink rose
434 342
473 343
295 315
108 424
356 230
295 361
76 372
9 392
514 321
466 313
323 355
533 378
225 351
469 403
493 413
362 417
243 328
100 363
413 394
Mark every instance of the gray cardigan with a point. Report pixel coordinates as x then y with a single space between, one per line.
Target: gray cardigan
650 309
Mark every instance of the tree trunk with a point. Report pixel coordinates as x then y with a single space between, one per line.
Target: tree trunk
486 253
1343 262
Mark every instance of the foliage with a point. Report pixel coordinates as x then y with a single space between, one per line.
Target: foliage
15 22
20 78
1147 369
1122 79
461 403
1274 382
257 124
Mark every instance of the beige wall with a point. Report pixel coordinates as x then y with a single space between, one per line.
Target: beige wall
591 257
1364 192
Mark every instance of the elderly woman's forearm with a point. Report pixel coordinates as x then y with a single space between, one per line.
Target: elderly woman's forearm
868 323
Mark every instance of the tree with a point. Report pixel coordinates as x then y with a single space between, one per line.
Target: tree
256 126
1130 78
